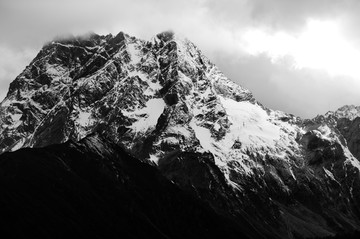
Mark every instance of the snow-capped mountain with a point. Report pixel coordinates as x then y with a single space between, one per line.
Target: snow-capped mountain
347 111
168 105
345 121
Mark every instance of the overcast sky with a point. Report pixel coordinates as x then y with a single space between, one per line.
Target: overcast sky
296 56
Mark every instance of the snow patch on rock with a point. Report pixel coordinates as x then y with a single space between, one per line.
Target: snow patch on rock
148 116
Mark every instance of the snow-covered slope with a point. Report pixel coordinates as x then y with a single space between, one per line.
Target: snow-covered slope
167 104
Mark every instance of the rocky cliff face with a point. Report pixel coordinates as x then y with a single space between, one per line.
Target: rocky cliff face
167 104
346 120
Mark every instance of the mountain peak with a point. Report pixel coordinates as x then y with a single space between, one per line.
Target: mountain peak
169 36
81 77
347 111
166 35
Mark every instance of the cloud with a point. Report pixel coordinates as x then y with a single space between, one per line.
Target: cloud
288 15
28 22
303 92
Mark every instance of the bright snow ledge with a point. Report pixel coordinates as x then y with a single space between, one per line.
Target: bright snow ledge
253 128
152 111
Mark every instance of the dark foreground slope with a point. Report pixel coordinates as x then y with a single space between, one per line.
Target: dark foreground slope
93 189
